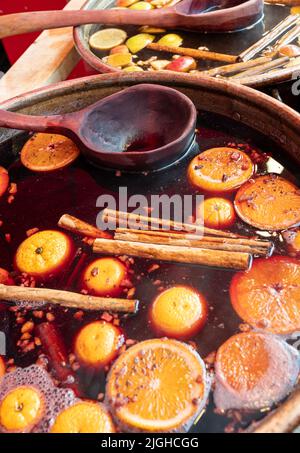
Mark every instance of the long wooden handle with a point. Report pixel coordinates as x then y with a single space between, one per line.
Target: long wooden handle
53 123
19 23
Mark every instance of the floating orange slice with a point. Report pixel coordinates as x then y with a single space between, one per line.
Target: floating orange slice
104 277
2 367
254 370
217 212
98 343
178 312
243 360
84 417
268 296
21 409
157 386
44 253
219 170
269 203
4 180
48 152
5 278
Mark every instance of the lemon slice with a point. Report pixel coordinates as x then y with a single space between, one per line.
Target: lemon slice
171 40
107 38
138 42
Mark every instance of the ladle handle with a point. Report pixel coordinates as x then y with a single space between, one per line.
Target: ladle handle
53 123
16 24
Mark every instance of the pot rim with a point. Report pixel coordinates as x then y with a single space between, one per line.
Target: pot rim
285 113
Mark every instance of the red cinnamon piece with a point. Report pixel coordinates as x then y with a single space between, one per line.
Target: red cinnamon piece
56 352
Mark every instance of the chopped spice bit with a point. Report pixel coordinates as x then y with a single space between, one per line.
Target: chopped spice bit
31 231
50 317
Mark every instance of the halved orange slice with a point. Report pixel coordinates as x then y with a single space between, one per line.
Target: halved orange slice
217 213
97 343
4 180
44 253
2 367
84 417
269 202
21 409
268 296
178 312
157 385
220 170
104 276
254 370
48 152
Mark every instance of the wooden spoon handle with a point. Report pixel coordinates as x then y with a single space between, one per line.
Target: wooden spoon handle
19 23
55 123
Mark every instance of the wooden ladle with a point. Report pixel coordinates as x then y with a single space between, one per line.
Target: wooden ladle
197 15
142 127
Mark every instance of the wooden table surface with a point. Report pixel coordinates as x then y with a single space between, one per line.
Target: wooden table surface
49 59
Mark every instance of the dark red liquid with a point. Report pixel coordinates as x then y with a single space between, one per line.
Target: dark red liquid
42 199
146 143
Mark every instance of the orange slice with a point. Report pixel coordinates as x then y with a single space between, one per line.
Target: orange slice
5 278
44 253
254 370
2 367
84 417
104 277
178 312
48 152
4 180
268 296
219 170
157 386
243 360
98 343
269 203
21 409
217 212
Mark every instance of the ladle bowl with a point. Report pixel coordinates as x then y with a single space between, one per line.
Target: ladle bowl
140 128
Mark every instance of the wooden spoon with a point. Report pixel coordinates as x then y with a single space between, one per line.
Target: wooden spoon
142 127
198 15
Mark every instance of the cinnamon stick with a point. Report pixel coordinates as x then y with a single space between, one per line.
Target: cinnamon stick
261 69
242 240
67 299
55 350
176 254
269 37
125 218
166 239
70 223
289 37
277 76
195 53
235 68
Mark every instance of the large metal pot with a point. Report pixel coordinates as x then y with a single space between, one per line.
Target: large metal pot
254 109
